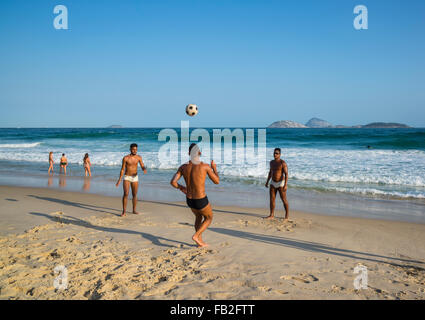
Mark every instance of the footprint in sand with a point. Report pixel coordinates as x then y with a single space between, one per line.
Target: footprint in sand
280 291
225 244
278 224
305 278
336 288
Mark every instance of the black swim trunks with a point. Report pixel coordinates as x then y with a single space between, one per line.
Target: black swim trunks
197 204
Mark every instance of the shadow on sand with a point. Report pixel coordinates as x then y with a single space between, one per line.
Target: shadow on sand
78 205
214 210
269 239
314 247
103 209
82 223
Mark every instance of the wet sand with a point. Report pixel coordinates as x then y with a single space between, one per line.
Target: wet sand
152 256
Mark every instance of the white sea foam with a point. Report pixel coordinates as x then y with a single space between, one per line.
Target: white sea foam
377 192
19 145
398 173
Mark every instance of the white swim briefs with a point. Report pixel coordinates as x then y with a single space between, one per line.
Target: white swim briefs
277 184
131 178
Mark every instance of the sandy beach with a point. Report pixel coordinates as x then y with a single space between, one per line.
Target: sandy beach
151 256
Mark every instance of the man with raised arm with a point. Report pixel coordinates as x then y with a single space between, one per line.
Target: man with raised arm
194 173
279 175
129 165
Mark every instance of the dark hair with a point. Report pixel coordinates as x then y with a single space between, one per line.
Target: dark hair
86 156
133 145
63 154
277 149
192 146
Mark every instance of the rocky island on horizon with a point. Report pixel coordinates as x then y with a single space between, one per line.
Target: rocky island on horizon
320 123
286 124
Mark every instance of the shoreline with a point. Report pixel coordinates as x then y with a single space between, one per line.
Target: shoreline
247 196
151 256
279 212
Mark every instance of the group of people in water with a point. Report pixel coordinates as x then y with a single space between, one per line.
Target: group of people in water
64 163
194 173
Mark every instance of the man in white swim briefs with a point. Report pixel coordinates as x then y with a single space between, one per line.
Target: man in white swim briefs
129 165
279 175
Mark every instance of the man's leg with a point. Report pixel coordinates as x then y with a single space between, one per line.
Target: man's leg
126 189
273 192
285 202
198 221
134 188
207 214
64 168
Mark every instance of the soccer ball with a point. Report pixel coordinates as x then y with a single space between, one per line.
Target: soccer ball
192 110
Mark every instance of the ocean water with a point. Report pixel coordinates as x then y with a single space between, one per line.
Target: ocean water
328 162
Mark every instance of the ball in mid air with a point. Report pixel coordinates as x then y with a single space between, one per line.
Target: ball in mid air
192 110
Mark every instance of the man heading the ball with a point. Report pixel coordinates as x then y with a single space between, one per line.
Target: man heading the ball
194 173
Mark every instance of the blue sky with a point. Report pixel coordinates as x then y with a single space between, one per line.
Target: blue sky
245 63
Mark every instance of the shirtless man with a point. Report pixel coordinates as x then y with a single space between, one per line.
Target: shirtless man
129 165
63 163
279 175
194 173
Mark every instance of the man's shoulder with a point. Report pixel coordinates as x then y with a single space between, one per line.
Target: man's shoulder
183 166
205 166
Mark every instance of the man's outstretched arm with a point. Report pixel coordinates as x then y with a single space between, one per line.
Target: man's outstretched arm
175 184
142 165
212 173
285 171
268 178
121 172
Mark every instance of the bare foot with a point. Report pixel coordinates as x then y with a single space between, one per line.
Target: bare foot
135 212
199 242
123 214
269 218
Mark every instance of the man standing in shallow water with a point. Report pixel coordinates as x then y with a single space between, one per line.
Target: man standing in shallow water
279 175
194 173
129 165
